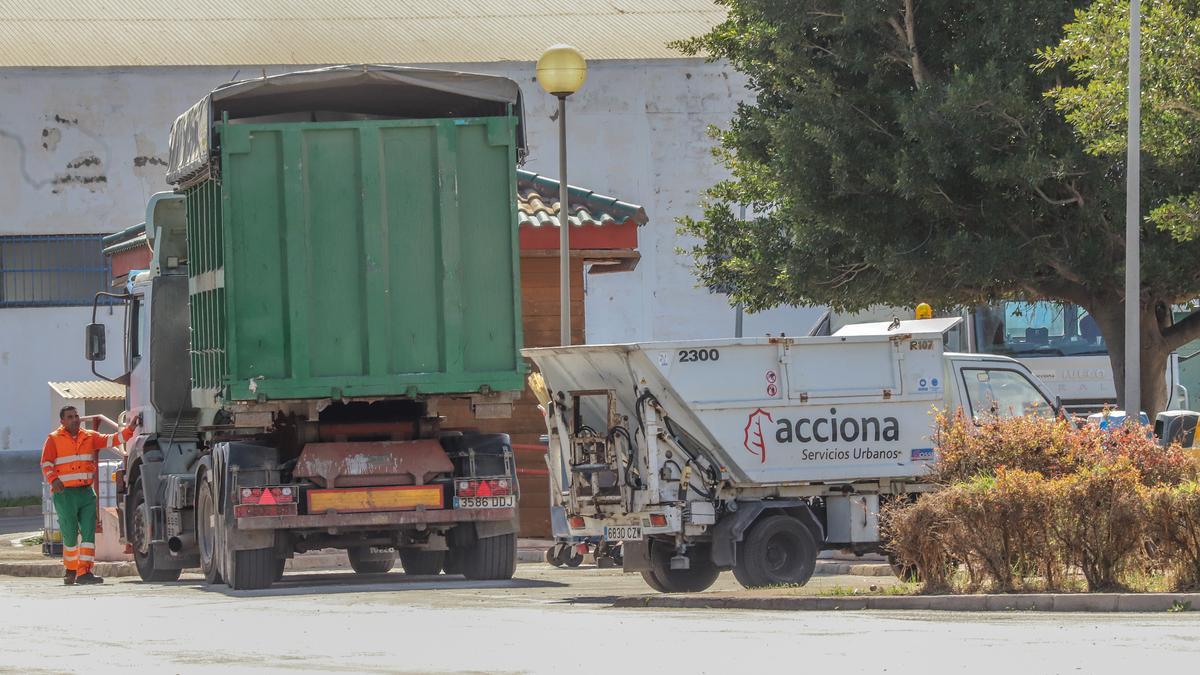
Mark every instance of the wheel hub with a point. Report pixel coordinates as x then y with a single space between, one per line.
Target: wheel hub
781 554
141 526
205 524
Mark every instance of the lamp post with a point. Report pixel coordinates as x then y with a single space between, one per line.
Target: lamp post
561 71
1133 221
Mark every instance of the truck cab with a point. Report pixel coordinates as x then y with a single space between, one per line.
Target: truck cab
1059 342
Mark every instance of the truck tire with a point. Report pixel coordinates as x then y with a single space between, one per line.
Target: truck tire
653 582
778 550
699 577
493 558
366 561
207 525
570 556
280 563
252 570
144 555
418 562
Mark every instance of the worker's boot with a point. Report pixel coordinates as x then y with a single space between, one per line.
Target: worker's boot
88 578
69 577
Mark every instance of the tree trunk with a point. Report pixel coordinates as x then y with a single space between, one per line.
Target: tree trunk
1154 354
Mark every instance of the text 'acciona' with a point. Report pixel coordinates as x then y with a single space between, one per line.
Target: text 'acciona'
834 429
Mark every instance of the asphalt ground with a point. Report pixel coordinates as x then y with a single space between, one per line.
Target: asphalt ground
545 620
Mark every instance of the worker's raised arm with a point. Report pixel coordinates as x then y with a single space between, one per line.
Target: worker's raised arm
113 440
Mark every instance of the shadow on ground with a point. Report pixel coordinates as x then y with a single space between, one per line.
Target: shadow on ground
326 584
588 600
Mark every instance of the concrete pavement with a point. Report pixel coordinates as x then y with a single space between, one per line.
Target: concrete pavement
547 620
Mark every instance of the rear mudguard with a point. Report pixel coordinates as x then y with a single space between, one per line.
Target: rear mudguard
732 527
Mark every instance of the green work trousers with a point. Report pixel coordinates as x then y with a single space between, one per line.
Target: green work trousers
76 509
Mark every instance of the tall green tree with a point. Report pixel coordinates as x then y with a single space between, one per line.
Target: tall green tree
897 151
1096 51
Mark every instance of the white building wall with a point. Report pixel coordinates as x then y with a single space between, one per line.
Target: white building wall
82 149
40 345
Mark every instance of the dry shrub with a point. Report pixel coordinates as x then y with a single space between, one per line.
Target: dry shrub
1156 465
1174 527
1002 529
1051 448
1025 501
1100 522
916 534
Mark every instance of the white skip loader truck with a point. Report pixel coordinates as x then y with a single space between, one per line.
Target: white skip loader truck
756 454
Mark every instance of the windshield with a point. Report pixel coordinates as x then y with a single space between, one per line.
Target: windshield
1025 329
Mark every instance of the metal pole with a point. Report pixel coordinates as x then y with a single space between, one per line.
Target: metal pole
564 229
1133 217
738 310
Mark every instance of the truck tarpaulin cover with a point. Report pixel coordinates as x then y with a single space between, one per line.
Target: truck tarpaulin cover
340 93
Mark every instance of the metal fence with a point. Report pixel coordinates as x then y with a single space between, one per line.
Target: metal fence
54 270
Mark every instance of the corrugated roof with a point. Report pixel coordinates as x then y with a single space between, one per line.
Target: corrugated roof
130 237
538 204
92 390
224 32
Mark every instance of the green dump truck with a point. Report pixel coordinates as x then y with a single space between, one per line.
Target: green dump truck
339 255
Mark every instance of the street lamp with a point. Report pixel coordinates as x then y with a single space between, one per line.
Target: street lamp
561 71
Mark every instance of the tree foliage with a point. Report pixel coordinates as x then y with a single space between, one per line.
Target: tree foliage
1096 51
897 152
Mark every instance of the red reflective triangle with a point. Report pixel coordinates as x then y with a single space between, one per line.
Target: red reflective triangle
484 490
267 497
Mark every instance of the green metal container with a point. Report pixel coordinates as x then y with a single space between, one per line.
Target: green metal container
357 259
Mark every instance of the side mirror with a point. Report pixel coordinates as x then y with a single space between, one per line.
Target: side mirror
94 347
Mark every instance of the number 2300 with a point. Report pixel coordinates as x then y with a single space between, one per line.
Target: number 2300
697 355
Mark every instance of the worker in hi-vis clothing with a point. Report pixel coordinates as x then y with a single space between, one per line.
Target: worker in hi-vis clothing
69 465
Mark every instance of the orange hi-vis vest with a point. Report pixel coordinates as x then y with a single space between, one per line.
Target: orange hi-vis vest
72 460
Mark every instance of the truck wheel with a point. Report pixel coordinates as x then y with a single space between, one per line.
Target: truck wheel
452 563
280 563
367 561
418 562
551 557
144 557
653 582
491 558
570 556
778 550
699 577
206 532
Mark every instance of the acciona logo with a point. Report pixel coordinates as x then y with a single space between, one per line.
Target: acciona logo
825 429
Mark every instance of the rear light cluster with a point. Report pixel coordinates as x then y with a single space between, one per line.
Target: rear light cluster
265 501
658 520
483 487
